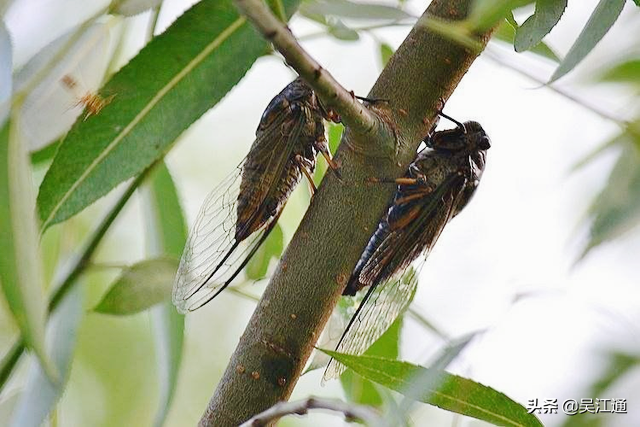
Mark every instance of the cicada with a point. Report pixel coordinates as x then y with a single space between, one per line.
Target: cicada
437 185
238 215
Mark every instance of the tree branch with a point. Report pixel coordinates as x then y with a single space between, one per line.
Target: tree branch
351 412
331 93
317 263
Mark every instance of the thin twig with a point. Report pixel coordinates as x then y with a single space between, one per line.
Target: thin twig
352 112
351 411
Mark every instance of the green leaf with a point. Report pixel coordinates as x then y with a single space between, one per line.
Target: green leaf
8 404
55 79
538 25
132 7
487 13
21 273
179 75
506 32
341 32
272 248
601 20
360 390
40 394
352 10
140 287
385 54
619 365
625 72
637 2
452 393
616 209
334 135
166 214
6 62
168 231
168 331
44 154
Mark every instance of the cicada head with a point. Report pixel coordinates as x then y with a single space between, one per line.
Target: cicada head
476 138
468 137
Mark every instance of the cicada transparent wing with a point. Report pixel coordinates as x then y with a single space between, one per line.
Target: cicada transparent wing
379 308
214 255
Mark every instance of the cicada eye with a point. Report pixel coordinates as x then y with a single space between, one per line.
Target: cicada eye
485 143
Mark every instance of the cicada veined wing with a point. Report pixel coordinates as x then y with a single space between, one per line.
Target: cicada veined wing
378 309
237 217
212 256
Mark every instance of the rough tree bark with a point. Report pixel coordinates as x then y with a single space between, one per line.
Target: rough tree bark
315 267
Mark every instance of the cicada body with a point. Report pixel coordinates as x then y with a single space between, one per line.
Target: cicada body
437 185
239 214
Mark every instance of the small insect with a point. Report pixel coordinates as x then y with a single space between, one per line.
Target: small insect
92 102
238 215
436 187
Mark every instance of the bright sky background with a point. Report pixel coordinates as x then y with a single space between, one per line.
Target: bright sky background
507 264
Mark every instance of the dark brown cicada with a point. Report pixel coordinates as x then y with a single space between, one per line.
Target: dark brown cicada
437 186
238 215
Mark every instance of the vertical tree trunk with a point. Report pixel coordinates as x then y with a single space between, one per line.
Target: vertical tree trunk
343 214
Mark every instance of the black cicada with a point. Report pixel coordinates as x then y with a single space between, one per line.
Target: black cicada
238 215
437 186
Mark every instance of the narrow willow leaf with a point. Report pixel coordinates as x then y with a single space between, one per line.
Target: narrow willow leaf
538 25
603 17
4 5
7 406
385 54
619 365
167 218
168 231
40 394
179 75
140 287
637 2
452 393
132 7
6 82
616 209
487 13
429 378
353 10
21 273
45 154
625 72
168 333
360 390
272 248
506 32
51 106
341 32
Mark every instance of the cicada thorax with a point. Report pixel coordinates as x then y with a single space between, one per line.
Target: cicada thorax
267 183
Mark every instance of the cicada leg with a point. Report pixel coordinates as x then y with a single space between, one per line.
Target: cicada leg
304 167
323 148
